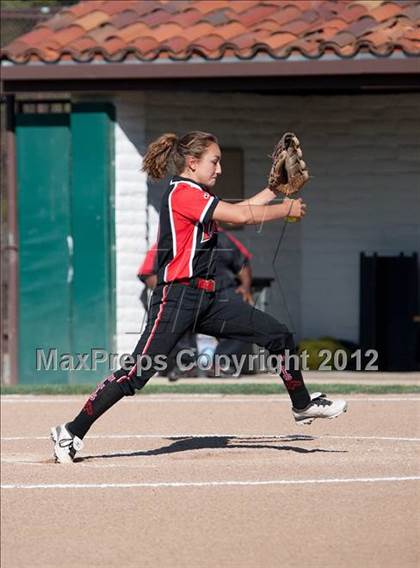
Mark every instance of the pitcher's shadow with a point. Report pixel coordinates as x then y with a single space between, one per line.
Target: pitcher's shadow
187 443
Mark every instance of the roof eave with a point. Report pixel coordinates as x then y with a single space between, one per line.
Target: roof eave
206 69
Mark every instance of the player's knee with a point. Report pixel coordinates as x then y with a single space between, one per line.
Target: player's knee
281 340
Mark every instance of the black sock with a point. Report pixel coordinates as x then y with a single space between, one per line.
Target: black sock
106 395
295 385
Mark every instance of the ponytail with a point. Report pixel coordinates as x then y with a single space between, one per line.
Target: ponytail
158 156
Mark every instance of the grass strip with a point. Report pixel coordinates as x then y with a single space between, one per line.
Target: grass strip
225 388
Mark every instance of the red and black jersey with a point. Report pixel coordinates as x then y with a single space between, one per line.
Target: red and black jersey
187 235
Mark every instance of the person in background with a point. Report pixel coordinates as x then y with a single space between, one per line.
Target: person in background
233 278
147 274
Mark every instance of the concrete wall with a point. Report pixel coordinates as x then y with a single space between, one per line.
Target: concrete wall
364 154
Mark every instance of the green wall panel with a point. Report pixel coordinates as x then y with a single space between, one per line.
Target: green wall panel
43 171
66 233
92 170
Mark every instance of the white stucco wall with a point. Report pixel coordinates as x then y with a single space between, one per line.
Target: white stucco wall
131 227
366 197
363 152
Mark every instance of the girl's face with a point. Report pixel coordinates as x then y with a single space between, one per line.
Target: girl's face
206 169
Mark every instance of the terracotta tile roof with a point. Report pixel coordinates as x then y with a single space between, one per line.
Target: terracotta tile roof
115 30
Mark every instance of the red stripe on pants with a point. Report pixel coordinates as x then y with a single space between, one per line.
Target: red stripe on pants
152 334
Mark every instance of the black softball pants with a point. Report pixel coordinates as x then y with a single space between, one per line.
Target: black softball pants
174 309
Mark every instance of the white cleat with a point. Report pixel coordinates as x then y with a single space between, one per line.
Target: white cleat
65 444
319 407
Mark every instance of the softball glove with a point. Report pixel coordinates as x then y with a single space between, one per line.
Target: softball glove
288 171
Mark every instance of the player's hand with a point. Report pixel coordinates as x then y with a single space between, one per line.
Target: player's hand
151 281
295 207
246 295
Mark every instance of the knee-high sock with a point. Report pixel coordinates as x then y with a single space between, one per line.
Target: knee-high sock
107 393
294 383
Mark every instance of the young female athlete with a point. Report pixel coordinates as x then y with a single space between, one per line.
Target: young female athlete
185 296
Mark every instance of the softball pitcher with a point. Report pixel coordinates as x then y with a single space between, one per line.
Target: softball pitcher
185 296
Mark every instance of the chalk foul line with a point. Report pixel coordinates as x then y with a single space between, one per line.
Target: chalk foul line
285 437
176 484
199 398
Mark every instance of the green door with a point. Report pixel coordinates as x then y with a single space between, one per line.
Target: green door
93 288
43 150
66 289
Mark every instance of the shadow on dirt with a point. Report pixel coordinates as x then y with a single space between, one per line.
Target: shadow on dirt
187 443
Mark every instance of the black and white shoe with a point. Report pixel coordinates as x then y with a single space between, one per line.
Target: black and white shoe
319 407
65 444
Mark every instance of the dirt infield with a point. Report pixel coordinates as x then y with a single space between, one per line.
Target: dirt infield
213 481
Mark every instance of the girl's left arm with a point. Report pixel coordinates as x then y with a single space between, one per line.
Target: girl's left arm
262 198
